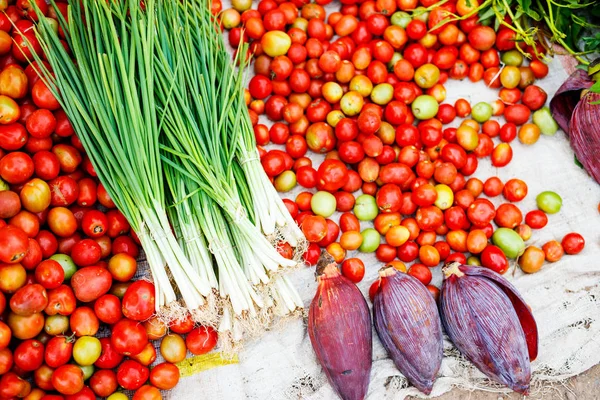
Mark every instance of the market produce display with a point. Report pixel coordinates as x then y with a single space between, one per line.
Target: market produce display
119 133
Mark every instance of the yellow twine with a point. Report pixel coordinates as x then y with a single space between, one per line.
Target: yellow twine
193 365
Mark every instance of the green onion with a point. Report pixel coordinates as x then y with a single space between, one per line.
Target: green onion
108 93
159 107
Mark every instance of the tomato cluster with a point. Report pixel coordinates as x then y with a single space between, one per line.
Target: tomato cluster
67 255
365 86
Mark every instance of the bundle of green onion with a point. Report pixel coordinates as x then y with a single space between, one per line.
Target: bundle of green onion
159 107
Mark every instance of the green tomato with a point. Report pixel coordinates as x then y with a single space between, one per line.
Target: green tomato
401 18
53 24
86 350
543 119
371 240
323 203
513 58
382 94
88 371
285 182
365 207
3 185
549 202
481 112
509 242
67 264
56 324
474 261
425 107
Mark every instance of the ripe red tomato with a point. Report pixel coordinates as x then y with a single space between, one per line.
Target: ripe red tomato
201 340
94 223
68 379
12 136
29 299
128 337
508 216
89 283
46 165
12 386
481 212
131 375
104 382
353 269
421 272
536 219
109 357
333 174
164 376
49 274
13 244
84 322
514 190
59 350
493 257
314 228
16 167
138 302
29 355
573 243
61 301
389 198
43 97
86 252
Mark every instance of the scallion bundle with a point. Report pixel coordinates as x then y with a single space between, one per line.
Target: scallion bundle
152 93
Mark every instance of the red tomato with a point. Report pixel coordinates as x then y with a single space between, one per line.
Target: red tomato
573 243
164 376
14 244
138 301
131 375
104 382
493 258
49 274
59 350
12 136
201 340
333 174
421 272
29 355
43 97
16 168
68 379
128 337
12 386
29 299
89 283
109 357
353 269
61 301
86 252
314 228
84 322
389 198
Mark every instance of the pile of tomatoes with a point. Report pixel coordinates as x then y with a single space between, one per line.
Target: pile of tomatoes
73 323
365 87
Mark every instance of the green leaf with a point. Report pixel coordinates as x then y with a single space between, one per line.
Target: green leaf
525 5
595 87
577 162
